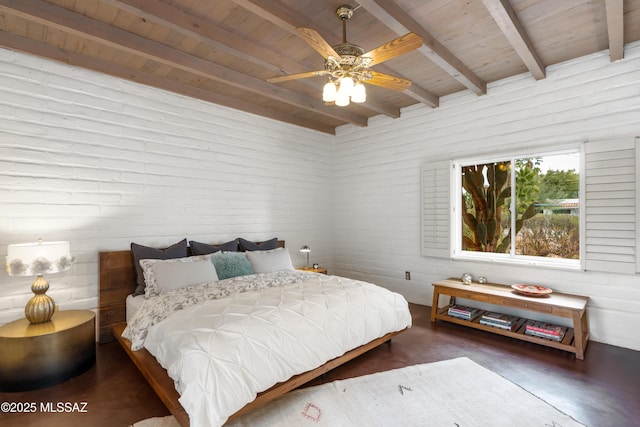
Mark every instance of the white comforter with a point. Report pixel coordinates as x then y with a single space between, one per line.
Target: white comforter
222 352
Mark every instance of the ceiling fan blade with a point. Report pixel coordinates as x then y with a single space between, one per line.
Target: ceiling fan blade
316 41
395 47
389 82
278 79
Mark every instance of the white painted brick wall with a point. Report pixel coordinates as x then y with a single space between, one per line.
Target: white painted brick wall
377 179
102 162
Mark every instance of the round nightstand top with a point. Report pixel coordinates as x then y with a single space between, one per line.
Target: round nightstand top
61 320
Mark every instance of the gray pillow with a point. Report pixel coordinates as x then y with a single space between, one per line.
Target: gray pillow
231 264
246 245
271 260
198 248
164 275
178 250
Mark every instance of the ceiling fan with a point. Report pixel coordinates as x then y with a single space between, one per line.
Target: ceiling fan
348 66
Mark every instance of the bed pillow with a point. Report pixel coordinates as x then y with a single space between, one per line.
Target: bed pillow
231 264
246 245
178 250
198 248
271 260
163 276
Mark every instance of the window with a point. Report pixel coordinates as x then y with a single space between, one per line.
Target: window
607 201
524 209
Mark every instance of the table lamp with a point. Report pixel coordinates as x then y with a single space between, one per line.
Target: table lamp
36 259
306 249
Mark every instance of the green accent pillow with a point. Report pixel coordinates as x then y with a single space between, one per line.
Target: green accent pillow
231 264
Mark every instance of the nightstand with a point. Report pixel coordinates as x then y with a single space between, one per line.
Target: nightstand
313 270
43 354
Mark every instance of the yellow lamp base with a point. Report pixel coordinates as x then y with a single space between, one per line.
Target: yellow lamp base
41 306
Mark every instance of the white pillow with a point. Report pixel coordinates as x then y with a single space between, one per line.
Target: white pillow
164 275
271 260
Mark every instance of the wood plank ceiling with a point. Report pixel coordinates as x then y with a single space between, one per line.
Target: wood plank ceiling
222 51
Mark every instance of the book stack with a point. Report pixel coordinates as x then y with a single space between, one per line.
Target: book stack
464 312
545 330
499 320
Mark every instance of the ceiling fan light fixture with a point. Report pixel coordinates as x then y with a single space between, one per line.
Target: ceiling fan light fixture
347 64
329 92
359 94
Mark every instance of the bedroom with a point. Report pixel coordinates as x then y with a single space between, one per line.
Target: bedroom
102 162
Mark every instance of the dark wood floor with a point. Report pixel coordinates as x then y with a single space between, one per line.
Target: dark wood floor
603 390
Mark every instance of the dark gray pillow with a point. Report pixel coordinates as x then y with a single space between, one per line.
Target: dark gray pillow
178 250
246 245
198 248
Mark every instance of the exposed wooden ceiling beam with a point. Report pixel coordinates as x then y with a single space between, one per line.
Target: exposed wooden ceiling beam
223 40
615 28
399 21
281 16
22 44
422 95
508 21
101 32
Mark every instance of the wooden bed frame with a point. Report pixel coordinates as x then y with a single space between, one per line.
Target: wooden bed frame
118 279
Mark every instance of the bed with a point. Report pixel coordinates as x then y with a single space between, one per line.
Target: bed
118 281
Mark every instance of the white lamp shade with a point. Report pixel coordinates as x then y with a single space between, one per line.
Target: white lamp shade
305 248
32 259
346 86
342 100
359 93
329 92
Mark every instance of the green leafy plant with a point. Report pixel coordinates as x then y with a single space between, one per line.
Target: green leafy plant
486 197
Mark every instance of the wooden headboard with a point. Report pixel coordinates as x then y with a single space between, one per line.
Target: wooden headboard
117 280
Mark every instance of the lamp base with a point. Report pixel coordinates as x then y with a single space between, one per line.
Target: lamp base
41 306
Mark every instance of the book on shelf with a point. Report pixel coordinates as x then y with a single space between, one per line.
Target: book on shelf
464 312
543 335
545 330
499 318
462 309
464 317
506 326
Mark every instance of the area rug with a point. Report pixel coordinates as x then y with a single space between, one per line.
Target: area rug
168 421
456 393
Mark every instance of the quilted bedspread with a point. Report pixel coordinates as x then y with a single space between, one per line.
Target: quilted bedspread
222 352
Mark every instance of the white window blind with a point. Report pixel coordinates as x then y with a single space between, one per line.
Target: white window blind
611 194
436 209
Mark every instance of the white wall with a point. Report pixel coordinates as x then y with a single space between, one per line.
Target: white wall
377 185
102 162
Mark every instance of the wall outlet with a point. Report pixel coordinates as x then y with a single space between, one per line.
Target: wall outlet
407 275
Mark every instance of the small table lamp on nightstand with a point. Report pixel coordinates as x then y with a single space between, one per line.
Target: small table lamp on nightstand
306 249
36 259
49 346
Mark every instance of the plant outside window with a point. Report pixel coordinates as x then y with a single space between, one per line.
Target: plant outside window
546 220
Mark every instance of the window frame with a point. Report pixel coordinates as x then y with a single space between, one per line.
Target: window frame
511 258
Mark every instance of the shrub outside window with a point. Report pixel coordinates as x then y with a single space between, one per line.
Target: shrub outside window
524 209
